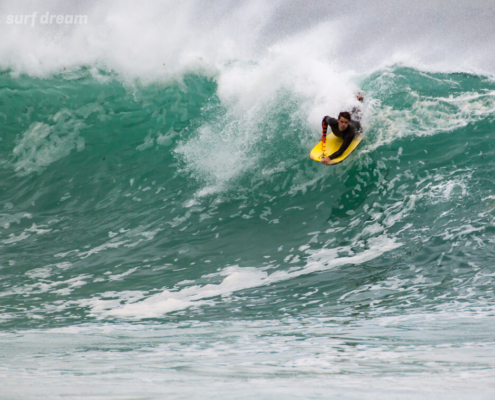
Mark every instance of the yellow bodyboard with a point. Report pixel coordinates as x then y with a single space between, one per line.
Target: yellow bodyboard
333 143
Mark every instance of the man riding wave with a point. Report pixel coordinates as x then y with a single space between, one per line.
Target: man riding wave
343 127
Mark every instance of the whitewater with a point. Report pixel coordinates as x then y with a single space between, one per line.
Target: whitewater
164 234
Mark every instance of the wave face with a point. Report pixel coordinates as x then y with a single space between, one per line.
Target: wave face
162 229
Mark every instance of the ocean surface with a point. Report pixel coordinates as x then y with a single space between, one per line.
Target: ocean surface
164 234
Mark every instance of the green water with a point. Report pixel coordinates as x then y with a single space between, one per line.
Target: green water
153 221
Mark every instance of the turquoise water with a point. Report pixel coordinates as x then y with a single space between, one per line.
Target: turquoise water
171 238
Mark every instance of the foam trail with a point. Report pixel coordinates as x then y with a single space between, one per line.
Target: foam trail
236 279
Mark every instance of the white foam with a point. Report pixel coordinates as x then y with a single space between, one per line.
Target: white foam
13 238
236 279
159 38
44 285
43 272
7 219
43 144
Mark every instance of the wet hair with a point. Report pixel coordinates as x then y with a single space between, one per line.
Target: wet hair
345 115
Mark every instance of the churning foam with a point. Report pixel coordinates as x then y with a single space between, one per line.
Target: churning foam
254 48
153 38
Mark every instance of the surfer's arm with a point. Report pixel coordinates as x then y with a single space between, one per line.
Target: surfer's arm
325 124
347 141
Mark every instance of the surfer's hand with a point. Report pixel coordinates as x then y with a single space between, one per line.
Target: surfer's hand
325 160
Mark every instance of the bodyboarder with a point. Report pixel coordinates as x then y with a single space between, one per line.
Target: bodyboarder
342 127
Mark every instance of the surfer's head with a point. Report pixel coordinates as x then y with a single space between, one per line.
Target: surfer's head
343 120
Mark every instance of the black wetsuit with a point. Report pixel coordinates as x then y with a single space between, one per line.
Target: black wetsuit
350 133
